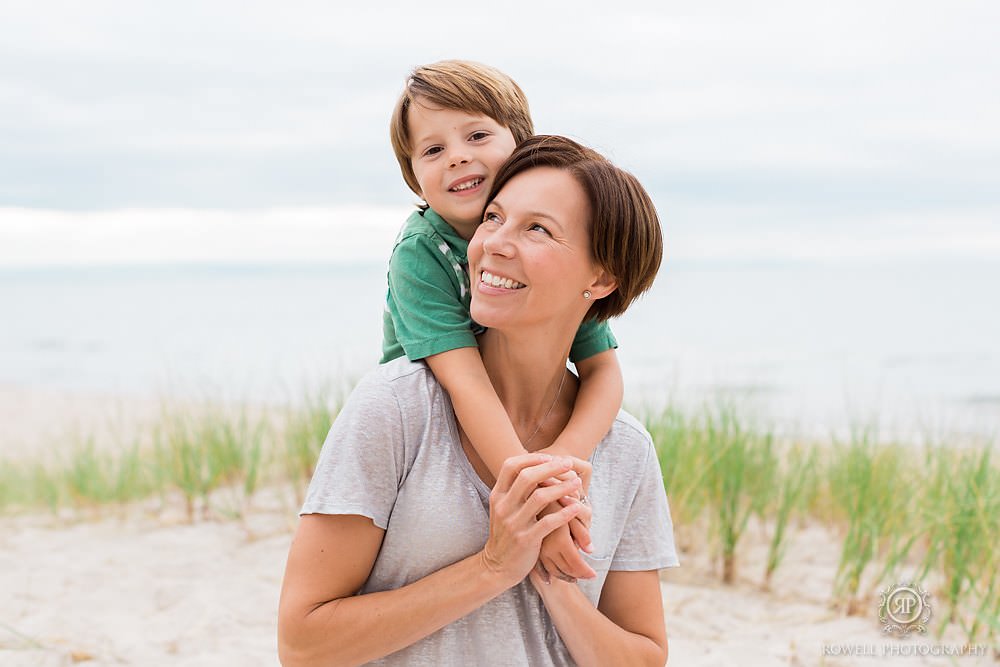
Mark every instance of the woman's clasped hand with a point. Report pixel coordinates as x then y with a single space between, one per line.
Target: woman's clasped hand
526 486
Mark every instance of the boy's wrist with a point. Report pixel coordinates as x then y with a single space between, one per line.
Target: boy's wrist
558 448
558 593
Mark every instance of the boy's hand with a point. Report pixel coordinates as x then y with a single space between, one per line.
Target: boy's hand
580 466
560 553
579 526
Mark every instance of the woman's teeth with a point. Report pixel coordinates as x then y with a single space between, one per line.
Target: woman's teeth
467 185
497 281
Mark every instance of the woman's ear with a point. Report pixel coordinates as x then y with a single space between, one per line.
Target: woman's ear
603 284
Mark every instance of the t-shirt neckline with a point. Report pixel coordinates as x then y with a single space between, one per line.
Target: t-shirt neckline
463 458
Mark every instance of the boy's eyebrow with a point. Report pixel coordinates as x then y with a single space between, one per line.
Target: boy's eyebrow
472 121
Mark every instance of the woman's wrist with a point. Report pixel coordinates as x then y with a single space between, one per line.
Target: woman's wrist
494 575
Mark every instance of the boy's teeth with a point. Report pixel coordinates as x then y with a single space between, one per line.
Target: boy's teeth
497 281
468 184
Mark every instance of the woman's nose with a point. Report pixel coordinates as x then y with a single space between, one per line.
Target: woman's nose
499 242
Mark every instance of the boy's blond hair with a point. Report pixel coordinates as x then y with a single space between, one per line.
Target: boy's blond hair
462 85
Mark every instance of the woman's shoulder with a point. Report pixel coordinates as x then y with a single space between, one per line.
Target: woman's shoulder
400 369
392 404
627 431
628 446
401 381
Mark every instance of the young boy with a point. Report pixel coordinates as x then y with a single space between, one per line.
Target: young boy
455 123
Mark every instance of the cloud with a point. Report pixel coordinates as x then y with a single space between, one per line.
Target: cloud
693 232
820 112
33 237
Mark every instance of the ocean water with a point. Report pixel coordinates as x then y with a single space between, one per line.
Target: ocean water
912 347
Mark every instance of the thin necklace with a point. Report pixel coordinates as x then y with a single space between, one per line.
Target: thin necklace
548 412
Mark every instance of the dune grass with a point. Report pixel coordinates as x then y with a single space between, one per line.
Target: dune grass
793 479
214 459
305 430
928 514
870 490
204 453
902 512
93 477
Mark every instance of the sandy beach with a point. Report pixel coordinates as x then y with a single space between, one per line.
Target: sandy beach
138 591
141 585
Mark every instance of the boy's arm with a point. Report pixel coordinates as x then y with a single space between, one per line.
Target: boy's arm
477 406
432 323
486 423
597 405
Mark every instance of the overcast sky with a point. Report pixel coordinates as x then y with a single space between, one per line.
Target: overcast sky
133 131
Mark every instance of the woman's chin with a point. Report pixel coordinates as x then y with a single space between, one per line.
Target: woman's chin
484 317
496 317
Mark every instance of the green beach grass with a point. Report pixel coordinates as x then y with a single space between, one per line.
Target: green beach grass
901 512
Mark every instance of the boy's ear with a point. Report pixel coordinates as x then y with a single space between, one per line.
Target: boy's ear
603 284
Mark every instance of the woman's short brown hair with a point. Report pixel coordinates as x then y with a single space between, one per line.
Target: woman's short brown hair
465 86
625 236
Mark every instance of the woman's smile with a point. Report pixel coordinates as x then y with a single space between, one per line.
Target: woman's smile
498 283
534 234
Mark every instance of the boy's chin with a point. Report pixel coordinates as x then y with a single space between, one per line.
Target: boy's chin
470 218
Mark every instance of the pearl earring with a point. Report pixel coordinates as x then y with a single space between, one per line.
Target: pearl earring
586 294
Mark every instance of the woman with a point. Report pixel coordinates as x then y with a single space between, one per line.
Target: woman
403 554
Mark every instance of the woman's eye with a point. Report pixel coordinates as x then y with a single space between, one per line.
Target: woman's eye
538 227
491 217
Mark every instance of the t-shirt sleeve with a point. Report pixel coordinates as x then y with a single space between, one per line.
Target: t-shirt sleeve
361 463
647 542
593 337
427 314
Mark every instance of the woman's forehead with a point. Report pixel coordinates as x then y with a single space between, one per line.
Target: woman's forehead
544 191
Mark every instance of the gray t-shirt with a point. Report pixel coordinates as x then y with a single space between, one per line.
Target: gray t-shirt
394 455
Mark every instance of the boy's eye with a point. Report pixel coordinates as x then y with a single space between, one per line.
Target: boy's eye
477 136
433 150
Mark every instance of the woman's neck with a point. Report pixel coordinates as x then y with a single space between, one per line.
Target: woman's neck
528 372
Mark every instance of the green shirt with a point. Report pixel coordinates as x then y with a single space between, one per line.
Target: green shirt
427 303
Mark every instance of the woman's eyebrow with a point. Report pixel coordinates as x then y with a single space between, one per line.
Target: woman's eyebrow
496 203
540 214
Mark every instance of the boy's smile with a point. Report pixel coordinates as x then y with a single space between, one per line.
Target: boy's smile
466 184
455 156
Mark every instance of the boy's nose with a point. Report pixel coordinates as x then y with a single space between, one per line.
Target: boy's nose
458 157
